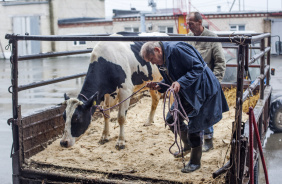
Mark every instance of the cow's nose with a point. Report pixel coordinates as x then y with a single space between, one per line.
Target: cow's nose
64 143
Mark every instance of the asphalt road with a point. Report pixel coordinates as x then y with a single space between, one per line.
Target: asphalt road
272 147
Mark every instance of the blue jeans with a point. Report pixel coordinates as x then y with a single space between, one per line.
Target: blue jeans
208 133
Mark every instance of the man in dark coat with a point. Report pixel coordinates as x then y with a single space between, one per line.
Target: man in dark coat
183 68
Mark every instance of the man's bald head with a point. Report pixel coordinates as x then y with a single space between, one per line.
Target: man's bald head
194 21
196 16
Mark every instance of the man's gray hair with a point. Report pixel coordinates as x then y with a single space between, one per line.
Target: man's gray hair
148 48
197 16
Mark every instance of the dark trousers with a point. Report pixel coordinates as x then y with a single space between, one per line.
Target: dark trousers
196 138
208 133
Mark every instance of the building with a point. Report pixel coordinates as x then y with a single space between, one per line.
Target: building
165 21
67 17
40 17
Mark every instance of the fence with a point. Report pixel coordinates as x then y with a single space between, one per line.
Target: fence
29 137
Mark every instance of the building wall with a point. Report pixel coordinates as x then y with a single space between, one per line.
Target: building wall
7 13
251 24
157 23
96 8
82 8
61 9
82 29
119 24
69 9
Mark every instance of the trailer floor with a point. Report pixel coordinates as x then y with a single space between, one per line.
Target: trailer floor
146 154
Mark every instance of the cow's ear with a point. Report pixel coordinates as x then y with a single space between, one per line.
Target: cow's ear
66 96
92 100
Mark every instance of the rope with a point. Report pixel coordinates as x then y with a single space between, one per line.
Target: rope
174 112
8 47
240 42
100 108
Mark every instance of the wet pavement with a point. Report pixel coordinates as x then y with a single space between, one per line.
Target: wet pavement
39 98
34 99
272 147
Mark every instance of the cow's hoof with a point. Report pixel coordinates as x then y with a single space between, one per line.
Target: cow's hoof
103 141
148 123
119 147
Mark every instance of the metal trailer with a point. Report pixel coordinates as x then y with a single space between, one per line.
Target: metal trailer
32 133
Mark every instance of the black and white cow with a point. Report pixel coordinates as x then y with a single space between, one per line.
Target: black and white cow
115 72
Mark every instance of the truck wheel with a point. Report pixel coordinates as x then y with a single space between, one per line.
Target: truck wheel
256 172
275 122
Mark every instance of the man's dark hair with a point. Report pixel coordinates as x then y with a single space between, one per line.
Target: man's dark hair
197 16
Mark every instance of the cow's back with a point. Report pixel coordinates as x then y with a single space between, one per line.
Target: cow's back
126 55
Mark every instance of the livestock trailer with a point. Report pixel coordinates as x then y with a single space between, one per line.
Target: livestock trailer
32 133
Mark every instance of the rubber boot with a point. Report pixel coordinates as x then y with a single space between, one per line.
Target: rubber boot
208 145
187 147
195 160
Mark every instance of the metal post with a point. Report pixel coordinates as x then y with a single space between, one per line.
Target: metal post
251 146
239 103
261 88
234 172
15 128
247 60
268 60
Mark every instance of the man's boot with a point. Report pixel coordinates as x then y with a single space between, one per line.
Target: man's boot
208 145
185 141
195 160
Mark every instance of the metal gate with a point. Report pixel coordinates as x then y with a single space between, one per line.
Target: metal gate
32 133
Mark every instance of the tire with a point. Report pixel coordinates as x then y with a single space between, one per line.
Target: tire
256 173
275 122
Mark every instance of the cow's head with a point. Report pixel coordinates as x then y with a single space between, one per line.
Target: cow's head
77 118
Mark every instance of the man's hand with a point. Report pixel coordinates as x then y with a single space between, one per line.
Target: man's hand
153 86
175 86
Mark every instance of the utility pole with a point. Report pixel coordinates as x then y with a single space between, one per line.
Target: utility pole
51 22
143 25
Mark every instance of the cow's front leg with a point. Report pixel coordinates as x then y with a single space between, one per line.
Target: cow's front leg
106 132
155 101
122 119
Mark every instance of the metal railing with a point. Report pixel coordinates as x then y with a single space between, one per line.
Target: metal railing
236 172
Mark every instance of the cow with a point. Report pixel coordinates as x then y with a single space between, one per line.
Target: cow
116 70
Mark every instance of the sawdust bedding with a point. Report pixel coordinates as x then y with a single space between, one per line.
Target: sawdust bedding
147 148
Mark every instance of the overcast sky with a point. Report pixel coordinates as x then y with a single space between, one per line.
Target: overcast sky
197 5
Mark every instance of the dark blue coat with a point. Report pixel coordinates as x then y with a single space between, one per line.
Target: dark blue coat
199 86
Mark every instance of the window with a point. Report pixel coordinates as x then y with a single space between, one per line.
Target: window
237 27
79 43
165 29
131 29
